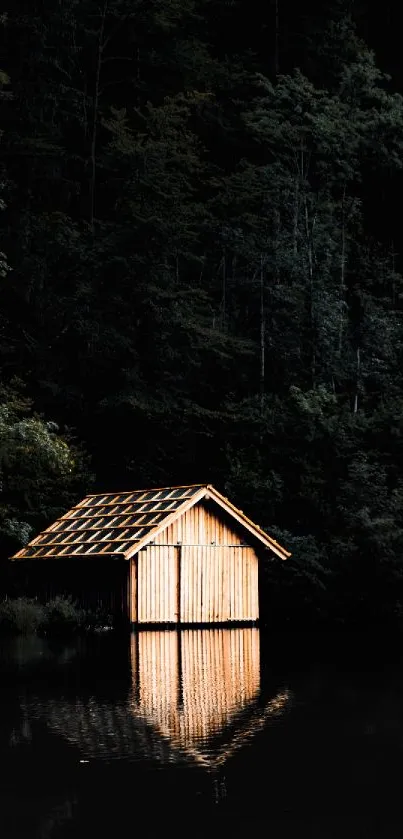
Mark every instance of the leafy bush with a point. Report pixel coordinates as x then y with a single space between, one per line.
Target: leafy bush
97 619
62 617
42 472
21 616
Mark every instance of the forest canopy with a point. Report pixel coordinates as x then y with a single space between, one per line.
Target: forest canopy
200 275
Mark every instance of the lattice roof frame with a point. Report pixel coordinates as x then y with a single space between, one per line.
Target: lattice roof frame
139 526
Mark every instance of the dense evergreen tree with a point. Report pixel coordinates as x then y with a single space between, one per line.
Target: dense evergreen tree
200 274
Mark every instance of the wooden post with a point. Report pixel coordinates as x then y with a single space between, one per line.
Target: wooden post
178 583
133 593
129 591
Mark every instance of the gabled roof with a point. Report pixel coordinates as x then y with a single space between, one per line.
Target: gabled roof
120 524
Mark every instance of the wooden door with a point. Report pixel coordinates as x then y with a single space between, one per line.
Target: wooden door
157 584
218 583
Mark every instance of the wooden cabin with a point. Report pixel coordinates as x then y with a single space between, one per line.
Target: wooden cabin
177 555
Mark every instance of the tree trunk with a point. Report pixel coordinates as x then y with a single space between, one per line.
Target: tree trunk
357 380
311 304
91 213
262 336
276 38
296 215
224 291
394 274
342 275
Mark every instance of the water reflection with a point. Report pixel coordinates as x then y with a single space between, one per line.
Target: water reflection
195 698
200 689
199 705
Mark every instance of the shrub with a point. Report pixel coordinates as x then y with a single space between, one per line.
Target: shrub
62 617
21 616
98 619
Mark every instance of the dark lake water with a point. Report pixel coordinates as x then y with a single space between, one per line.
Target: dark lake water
202 732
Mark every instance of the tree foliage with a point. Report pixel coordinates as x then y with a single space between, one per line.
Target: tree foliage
203 274
41 470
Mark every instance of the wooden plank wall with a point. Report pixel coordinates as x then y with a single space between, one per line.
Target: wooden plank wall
197 572
157 584
200 526
219 584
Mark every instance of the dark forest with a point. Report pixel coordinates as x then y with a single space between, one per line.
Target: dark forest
201 275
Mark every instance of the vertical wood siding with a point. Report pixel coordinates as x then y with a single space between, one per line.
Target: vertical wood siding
218 584
157 584
196 572
200 526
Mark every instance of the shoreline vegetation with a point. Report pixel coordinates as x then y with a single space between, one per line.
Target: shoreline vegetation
59 617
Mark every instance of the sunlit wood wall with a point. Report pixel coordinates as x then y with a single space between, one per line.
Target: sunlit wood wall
201 526
197 571
157 584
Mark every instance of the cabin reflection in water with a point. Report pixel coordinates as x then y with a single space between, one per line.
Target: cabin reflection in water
192 684
195 699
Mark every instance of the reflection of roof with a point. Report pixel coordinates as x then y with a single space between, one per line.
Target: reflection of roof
106 730
101 729
121 524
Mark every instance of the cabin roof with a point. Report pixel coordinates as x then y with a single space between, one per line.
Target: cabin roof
120 524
